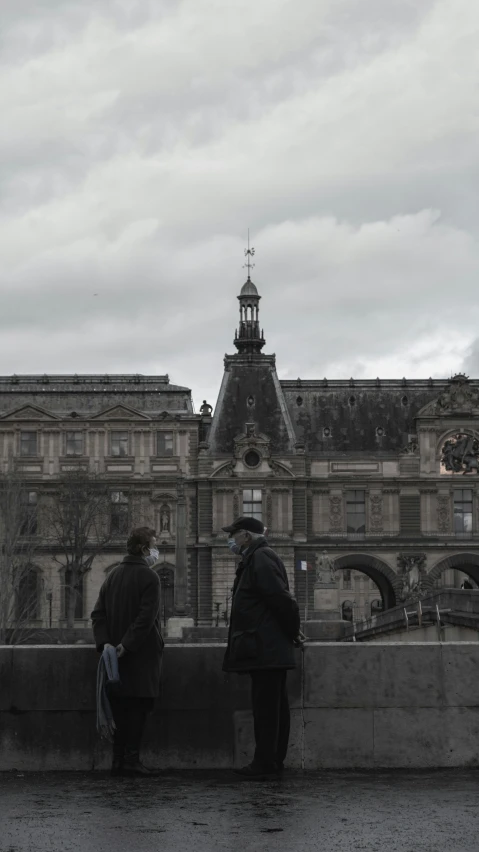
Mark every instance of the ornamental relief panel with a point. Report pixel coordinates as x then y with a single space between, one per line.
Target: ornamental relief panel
236 505
269 510
336 514
376 512
443 513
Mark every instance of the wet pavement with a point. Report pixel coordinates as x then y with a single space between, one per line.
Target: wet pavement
396 811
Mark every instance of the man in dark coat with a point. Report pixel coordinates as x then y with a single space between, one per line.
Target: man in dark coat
127 616
264 627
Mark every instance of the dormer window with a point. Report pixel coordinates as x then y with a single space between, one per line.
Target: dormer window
252 458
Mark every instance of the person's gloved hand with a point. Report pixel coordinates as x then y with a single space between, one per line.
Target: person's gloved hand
300 640
121 651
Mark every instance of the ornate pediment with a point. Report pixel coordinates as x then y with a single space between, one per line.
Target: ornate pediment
252 440
30 412
163 497
120 412
460 397
225 470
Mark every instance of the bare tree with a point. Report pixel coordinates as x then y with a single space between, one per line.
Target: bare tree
78 518
19 580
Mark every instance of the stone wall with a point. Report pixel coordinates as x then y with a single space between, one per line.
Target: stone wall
353 706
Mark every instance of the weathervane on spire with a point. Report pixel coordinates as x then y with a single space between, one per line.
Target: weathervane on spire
248 253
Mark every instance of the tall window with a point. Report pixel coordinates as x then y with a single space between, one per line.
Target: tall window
119 443
119 513
78 591
410 514
27 596
355 511
28 443
347 578
164 443
253 503
74 443
463 510
29 524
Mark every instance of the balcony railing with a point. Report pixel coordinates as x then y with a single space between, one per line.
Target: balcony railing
369 535
452 534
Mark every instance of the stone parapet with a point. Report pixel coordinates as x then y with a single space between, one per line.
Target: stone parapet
352 706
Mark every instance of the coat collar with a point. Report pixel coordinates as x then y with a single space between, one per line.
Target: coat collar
134 559
257 544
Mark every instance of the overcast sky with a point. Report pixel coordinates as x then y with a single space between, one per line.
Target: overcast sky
139 139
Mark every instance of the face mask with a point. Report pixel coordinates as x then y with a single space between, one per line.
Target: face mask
155 553
235 548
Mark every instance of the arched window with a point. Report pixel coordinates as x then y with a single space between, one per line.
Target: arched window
347 610
376 606
27 601
78 591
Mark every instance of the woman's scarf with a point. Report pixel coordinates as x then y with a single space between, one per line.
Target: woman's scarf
108 676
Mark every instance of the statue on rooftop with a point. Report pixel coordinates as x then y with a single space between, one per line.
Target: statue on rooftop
206 409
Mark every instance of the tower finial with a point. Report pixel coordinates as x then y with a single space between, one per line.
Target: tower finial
248 253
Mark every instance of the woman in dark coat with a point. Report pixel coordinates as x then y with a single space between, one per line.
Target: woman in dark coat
127 616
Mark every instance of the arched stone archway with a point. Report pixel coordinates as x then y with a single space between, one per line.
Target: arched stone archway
468 563
386 580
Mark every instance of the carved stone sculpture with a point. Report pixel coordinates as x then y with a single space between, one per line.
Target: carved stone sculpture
206 409
325 571
412 574
412 447
165 518
460 454
459 396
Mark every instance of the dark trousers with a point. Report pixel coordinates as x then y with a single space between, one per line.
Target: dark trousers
130 715
269 697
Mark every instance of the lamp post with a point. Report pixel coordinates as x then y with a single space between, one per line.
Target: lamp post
49 599
165 579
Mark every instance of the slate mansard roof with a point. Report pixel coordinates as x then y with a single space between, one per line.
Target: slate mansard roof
328 417
372 416
87 395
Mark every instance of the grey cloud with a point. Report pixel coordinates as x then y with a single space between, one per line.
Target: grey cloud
471 361
131 168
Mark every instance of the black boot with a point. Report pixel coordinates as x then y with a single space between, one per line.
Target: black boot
118 760
134 766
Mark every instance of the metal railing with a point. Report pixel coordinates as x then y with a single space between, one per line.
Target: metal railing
396 533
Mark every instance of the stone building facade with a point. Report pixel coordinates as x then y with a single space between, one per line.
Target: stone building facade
380 474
